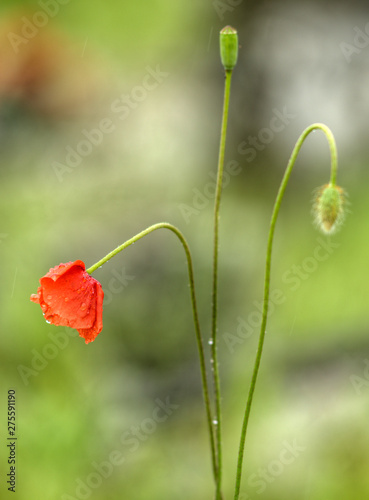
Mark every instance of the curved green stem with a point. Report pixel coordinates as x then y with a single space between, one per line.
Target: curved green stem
291 163
200 346
214 355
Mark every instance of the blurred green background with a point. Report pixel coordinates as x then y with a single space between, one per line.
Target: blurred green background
85 414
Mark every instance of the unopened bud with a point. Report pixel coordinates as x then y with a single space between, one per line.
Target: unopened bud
328 208
228 47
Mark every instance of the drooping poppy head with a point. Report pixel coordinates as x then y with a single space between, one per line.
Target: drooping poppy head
69 296
329 208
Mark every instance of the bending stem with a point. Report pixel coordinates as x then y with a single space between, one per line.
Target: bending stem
200 346
291 163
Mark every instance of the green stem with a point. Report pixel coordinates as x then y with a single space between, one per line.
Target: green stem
200 346
291 163
214 355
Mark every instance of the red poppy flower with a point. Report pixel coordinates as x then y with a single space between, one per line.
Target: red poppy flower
69 296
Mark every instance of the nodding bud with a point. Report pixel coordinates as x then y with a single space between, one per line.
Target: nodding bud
328 208
228 47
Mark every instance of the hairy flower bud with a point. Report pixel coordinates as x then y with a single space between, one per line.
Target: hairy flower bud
228 47
328 208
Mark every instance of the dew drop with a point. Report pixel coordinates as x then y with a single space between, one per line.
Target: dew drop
48 322
83 307
49 297
215 422
210 342
66 299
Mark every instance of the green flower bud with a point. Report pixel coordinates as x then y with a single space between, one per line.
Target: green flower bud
328 208
228 47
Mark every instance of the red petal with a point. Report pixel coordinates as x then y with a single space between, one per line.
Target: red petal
69 296
57 271
91 333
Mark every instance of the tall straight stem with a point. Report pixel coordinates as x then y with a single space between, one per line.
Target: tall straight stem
214 316
277 204
165 225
